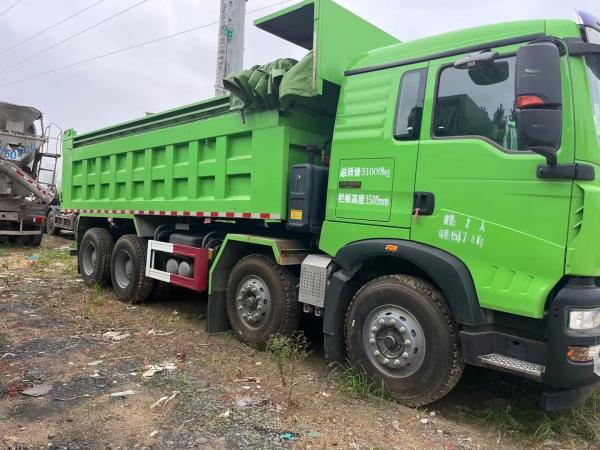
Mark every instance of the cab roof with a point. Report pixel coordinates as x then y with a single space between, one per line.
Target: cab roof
464 41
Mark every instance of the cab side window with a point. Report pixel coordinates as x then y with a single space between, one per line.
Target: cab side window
479 102
410 105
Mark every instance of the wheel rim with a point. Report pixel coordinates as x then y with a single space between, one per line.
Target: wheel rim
394 341
90 259
123 269
253 302
50 223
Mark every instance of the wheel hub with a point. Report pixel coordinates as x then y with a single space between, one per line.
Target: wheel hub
394 341
253 302
90 258
123 269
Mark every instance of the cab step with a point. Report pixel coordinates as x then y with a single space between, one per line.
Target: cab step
513 365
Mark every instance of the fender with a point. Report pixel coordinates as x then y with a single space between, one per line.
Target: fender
287 252
448 273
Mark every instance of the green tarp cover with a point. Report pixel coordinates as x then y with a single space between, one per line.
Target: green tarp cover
271 86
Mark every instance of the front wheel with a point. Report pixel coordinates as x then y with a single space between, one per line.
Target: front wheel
400 330
128 269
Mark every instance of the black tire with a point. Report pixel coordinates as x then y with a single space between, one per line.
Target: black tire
280 295
36 240
95 269
29 240
161 291
128 269
51 224
416 307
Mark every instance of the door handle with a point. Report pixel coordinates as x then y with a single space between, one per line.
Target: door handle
423 204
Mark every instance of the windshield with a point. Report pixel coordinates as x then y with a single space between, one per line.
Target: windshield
593 71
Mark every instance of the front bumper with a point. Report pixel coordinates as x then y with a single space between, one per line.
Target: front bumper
541 352
560 370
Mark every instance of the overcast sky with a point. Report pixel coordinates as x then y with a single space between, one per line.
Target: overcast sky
181 70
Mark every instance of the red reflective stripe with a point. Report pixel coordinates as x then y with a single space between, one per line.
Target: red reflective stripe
247 215
265 215
525 101
214 214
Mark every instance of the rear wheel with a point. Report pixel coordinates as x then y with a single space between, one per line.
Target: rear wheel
128 269
93 256
261 299
400 330
51 224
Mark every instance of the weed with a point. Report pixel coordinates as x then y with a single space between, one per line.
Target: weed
356 381
96 295
533 425
288 352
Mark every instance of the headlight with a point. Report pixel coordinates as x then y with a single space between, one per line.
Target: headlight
584 319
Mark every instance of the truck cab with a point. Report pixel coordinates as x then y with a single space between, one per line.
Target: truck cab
435 201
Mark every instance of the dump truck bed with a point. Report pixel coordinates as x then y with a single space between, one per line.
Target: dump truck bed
198 160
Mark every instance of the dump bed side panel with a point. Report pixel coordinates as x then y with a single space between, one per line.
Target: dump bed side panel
221 166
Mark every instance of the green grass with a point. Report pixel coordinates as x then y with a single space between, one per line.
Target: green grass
355 381
532 425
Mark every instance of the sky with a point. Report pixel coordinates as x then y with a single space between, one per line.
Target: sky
181 70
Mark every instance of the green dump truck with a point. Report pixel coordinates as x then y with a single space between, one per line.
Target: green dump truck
434 202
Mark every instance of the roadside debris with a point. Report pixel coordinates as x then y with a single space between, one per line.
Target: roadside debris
38 390
154 433
123 393
95 363
33 374
287 437
164 400
154 332
115 335
155 368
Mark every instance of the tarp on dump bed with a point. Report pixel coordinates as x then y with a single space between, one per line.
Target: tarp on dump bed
271 86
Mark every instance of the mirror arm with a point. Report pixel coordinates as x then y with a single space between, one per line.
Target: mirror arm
548 152
578 47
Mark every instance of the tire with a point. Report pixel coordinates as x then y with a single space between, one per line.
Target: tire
262 300
128 270
415 354
161 291
36 240
51 224
93 257
29 240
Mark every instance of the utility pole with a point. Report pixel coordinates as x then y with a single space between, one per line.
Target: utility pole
230 54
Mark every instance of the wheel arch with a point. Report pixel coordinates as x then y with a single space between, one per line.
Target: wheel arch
361 261
286 252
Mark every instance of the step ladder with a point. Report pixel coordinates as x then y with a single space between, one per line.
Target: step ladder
46 164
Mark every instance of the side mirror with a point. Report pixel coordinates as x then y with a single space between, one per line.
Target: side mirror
539 99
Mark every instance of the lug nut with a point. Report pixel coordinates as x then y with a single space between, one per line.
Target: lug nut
396 362
374 329
386 361
240 307
405 355
371 341
244 316
381 321
393 322
407 342
376 353
402 330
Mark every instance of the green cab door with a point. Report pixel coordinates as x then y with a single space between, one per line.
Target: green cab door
491 210
375 147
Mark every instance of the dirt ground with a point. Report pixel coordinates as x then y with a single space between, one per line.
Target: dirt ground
181 388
